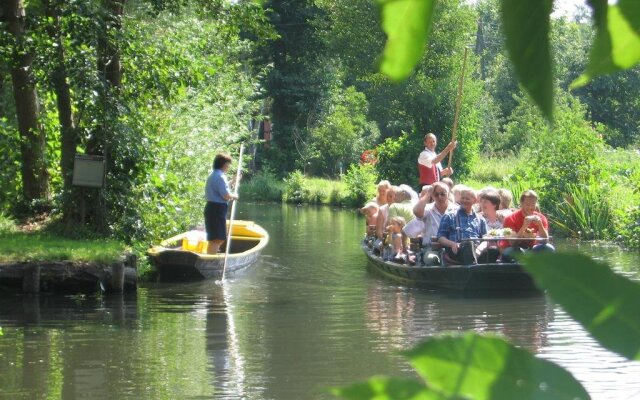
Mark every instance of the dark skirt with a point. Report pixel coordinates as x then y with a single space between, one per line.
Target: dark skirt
215 220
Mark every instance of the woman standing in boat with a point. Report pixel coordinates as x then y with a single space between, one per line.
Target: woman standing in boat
218 194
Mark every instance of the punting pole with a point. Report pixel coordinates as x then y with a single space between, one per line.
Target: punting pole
458 104
233 214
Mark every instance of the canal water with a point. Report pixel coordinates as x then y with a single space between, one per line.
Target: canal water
308 316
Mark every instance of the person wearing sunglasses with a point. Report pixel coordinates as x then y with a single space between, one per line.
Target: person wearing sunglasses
429 214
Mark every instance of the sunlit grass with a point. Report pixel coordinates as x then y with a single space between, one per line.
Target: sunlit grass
20 246
490 170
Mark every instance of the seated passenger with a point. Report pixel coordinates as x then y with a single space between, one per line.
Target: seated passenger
449 182
402 207
381 196
505 203
413 196
370 211
427 190
487 251
429 215
456 192
415 227
489 204
526 223
397 238
383 212
505 199
462 224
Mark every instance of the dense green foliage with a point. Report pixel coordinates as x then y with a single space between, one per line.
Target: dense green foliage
198 78
185 93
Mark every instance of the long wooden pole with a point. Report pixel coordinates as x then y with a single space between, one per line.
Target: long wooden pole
458 104
233 212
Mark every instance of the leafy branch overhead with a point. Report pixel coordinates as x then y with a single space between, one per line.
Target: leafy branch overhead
616 46
471 366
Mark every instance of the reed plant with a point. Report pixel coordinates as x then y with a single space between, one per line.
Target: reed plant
584 212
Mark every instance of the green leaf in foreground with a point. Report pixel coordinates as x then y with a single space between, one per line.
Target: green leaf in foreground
406 23
481 367
526 28
605 303
616 46
383 388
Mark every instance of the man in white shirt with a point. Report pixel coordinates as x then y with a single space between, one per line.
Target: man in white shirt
431 213
429 166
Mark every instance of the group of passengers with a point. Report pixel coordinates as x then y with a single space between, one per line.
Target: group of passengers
451 217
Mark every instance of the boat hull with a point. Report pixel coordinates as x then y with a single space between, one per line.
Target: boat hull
187 265
497 278
175 263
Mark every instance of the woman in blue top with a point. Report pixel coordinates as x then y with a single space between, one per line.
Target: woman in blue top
218 194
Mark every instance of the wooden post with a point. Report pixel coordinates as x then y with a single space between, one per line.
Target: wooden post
117 277
31 279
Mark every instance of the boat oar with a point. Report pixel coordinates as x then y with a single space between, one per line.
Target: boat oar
458 105
233 214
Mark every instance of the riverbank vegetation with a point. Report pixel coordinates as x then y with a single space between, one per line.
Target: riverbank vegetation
157 88
17 246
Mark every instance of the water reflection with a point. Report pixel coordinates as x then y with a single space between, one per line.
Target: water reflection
307 317
39 360
399 314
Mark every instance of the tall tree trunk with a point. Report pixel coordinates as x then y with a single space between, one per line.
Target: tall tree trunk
35 179
108 51
68 134
109 69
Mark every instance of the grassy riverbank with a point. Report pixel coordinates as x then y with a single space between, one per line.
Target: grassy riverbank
20 246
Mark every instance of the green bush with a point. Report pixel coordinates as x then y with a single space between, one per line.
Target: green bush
263 186
6 224
360 181
295 188
398 158
563 154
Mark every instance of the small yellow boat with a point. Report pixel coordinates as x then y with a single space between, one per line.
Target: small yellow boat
184 257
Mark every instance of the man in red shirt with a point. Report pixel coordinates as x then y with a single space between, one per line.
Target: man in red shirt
527 223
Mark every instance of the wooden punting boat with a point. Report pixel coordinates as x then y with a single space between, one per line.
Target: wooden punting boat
496 278
183 257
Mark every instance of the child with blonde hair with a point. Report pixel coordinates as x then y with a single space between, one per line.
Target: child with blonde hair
396 236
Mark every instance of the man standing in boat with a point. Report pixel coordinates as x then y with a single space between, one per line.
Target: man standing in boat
429 166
